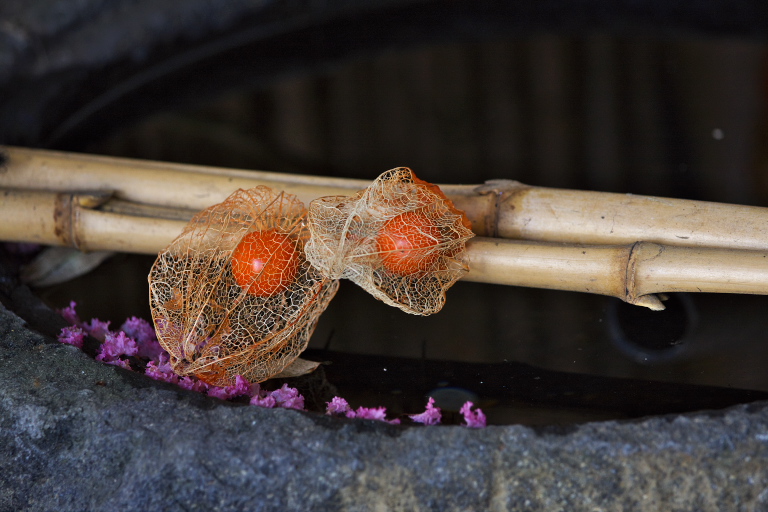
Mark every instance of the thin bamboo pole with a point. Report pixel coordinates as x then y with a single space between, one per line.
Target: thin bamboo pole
500 208
172 185
632 272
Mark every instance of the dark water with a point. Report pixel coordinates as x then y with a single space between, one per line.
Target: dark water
681 118
526 355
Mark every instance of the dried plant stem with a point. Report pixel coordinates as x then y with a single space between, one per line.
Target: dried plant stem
632 272
501 209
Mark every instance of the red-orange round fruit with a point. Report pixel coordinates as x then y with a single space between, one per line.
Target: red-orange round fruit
265 262
408 243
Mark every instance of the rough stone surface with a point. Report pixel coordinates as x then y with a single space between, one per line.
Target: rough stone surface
79 435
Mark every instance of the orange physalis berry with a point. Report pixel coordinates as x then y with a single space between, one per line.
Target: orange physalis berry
407 243
265 262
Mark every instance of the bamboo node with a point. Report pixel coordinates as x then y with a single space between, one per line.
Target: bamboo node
66 214
502 190
638 253
63 213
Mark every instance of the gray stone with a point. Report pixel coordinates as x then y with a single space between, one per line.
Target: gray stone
79 435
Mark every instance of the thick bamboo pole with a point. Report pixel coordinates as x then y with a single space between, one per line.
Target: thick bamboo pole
501 209
632 272
68 219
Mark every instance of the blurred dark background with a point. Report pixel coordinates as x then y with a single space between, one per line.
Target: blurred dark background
680 118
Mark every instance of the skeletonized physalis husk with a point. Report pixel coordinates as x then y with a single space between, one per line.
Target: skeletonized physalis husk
401 239
234 294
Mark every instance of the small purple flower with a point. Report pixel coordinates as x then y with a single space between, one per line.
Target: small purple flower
474 419
371 413
268 402
144 334
138 329
151 350
97 328
338 405
69 314
219 392
288 398
239 388
431 416
161 371
116 345
72 335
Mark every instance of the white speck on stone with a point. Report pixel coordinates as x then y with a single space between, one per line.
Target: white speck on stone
718 134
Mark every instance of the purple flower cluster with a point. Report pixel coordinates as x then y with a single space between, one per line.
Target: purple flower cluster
285 397
136 338
339 407
144 334
431 415
161 370
239 388
116 345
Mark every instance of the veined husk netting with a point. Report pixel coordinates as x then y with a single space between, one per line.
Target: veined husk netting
401 239
218 317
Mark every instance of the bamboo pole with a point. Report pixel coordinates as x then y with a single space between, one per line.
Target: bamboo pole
172 185
69 219
537 213
500 208
632 272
